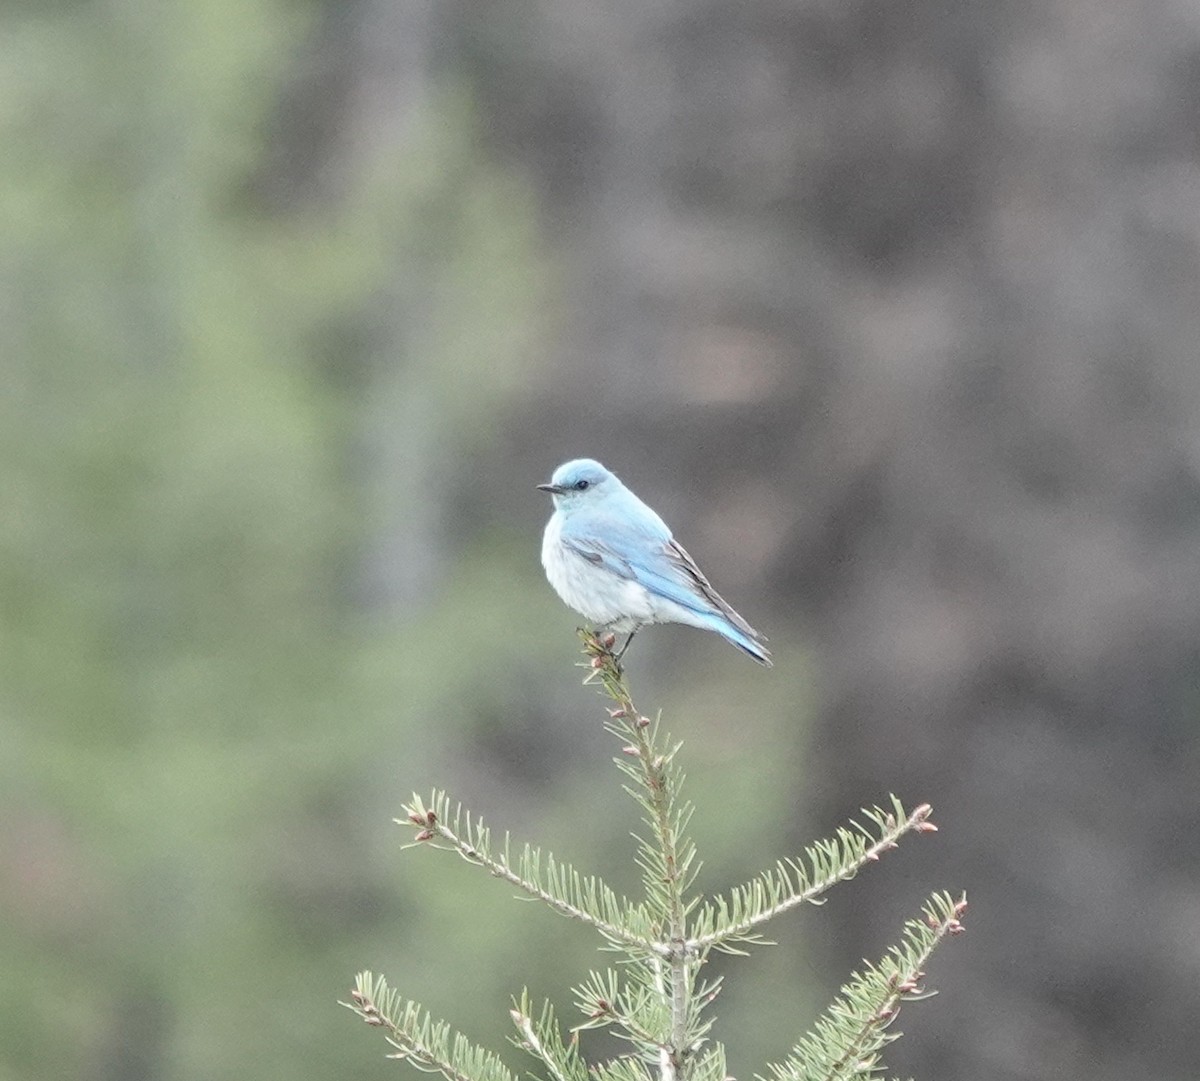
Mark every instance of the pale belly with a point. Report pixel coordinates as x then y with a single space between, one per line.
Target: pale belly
598 595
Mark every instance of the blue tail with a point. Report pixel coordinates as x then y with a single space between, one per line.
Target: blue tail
752 646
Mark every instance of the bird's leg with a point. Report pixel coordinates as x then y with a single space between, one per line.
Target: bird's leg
617 657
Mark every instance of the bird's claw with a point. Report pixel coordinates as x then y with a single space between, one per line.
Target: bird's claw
599 645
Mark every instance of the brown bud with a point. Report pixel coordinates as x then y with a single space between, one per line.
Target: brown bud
926 827
618 712
961 907
643 722
609 640
955 928
416 819
424 835
597 662
431 818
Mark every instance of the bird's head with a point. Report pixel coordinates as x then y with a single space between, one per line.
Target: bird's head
578 483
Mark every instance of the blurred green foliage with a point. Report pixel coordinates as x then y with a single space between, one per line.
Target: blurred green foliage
205 730
186 700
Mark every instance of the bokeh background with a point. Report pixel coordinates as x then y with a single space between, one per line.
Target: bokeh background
891 309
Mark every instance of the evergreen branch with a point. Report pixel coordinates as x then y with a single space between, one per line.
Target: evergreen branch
636 1011
710 1066
542 1039
847 1041
557 884
726 921
668 864
656 1000
431 1046
623 1068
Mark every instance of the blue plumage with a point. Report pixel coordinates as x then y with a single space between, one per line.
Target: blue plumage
613 560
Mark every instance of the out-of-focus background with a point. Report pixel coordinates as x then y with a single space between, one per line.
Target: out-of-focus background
892 310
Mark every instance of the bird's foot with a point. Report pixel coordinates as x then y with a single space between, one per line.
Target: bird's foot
617 657
599 645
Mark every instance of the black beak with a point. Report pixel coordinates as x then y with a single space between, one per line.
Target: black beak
553 489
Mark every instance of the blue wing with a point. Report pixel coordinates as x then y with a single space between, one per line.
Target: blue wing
641 549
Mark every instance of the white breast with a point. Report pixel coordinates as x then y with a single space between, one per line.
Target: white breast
597 594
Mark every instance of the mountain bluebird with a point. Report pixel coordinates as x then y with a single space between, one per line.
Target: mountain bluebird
613 560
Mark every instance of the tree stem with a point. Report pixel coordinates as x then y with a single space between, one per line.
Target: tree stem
673 975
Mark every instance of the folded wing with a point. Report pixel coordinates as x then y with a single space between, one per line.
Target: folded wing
655 560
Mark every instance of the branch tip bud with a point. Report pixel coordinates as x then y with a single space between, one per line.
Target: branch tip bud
425 835
416 819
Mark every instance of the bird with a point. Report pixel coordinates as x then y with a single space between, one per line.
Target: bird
613 560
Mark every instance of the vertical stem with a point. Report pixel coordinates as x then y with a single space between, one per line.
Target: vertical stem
677 975
673 974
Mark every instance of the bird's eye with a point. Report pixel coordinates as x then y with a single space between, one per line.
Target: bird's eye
581 486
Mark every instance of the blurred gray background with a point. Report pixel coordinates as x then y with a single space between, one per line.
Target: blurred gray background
890 309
